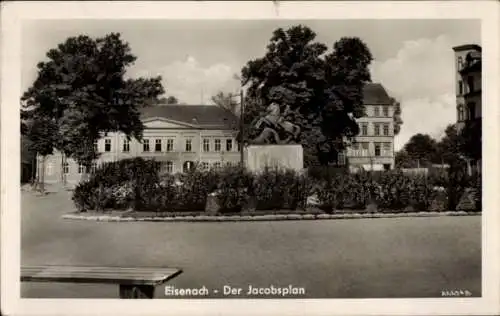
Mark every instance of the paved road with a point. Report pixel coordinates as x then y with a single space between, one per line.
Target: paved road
360 258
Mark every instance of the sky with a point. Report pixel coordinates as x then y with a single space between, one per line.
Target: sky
413 59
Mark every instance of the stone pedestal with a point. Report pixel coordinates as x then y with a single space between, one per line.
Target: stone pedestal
258 157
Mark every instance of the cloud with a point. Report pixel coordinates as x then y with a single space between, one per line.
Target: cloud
190 82
422 77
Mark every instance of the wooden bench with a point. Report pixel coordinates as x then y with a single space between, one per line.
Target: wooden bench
133 282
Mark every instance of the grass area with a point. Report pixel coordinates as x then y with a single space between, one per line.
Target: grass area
364 258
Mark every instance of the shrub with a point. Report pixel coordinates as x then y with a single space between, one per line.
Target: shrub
233 189
275 188
194 189
122 184
137 184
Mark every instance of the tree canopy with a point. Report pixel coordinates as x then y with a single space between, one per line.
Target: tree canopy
169 100
323 89
82 92
228 101
453 148
421 147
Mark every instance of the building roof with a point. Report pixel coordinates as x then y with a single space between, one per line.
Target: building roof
214 117
375 93
467 47
201 116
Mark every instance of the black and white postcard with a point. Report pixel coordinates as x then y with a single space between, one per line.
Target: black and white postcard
250 158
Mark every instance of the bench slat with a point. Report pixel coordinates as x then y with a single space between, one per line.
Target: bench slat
89 274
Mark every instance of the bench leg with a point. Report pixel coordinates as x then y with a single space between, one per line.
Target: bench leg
137 291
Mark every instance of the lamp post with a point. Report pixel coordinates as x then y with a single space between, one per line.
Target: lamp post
242 126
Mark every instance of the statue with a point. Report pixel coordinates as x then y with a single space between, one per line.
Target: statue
275 128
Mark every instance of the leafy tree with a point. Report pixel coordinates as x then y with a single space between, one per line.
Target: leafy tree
169 100
471 140
448 148
28 159
403 160
398 121
421 148
228 101
322 89
81 93
41 133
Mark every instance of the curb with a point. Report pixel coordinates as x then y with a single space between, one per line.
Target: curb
260 218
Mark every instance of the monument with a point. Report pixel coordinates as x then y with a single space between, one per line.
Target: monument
275 144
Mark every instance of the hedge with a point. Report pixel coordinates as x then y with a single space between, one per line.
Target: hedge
137 184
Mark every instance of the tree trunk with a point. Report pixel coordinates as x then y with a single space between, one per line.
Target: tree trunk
63 174
34 165
41 174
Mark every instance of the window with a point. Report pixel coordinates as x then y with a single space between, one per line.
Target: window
460 87
93 168
461 113
386 129
126 145
170 145
470 83
187 166
387 147
158 145
239 147
386 111
377 149
50 169
145 145
204 165
65 168
364 146
377 129
471 107
96 146
460 62
376 111
217 145
217 164
355 146
107 145
229 144
81 168
189 144
364 129
206 144
169 167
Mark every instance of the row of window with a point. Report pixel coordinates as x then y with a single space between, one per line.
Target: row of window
363 149
66 168
168 166
168 146
378 111
466 112
377 129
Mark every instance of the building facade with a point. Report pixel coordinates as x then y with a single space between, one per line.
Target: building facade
468 83
468 79
184 136
179 136
373 148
